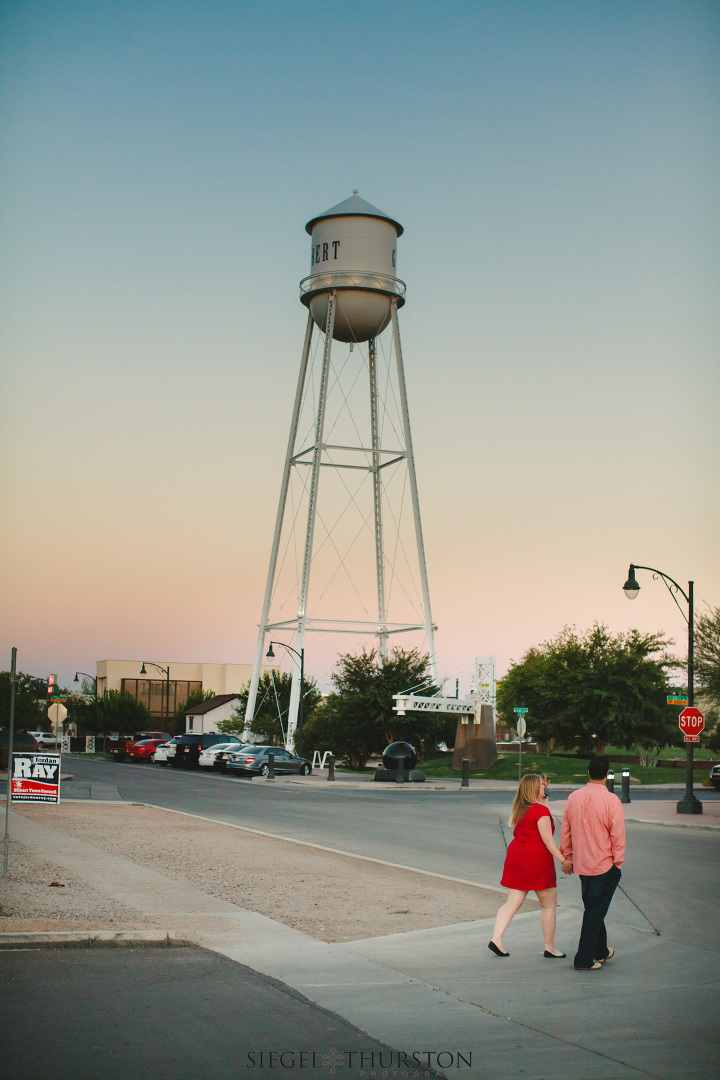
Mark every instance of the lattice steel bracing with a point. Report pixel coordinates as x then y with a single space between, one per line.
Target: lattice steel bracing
483 685
347 554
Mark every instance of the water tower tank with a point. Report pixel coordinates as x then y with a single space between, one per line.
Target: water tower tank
354 250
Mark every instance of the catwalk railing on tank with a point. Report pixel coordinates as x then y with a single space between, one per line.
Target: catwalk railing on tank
347 279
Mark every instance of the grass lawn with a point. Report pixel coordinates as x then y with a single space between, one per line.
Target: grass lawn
558 769
701 754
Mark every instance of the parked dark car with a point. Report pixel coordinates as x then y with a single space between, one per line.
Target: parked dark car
715 777
253 760
188 747
23 742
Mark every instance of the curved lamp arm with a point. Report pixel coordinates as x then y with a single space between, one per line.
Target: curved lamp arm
631 587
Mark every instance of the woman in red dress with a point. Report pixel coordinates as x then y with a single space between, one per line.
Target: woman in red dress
529 863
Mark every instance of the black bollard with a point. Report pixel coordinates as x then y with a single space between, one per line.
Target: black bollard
271 767
610 782
331 767
400 778
465 782
625 786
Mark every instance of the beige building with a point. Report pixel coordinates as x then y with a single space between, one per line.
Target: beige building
151 686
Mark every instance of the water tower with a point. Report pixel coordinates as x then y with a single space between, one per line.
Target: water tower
348 515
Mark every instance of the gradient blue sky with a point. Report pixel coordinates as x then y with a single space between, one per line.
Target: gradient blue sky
555 166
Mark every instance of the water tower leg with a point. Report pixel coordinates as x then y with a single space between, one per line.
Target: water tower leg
259 651
377 500
296 688
429 625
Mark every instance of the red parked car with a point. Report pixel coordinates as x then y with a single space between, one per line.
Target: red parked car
143 750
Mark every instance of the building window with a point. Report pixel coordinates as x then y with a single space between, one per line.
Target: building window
154 693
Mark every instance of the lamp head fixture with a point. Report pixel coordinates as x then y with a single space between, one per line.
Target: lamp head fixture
76 677
142 669
631 587
270 654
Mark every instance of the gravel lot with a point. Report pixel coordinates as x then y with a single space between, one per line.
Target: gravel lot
331 897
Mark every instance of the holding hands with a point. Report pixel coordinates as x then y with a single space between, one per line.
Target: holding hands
567 864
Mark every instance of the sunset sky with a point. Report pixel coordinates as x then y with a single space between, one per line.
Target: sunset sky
555 166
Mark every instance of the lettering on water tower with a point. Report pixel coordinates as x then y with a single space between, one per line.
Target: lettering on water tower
321 252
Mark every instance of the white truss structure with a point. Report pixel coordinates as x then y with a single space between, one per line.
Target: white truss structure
483 685
348 518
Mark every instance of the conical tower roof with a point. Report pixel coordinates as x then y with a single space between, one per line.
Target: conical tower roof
354 207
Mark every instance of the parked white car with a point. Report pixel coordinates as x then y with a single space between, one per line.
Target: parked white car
163 752
212 756
45 741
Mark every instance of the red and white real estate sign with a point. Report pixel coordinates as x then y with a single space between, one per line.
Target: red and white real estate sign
35 778
691 723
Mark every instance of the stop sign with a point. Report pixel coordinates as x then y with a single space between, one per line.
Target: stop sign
691 723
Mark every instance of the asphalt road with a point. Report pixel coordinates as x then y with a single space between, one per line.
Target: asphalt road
126 1013
669 877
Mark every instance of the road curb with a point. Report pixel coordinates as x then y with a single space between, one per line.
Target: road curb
672 824
79 937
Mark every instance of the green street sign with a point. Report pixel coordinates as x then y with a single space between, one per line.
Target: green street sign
522 711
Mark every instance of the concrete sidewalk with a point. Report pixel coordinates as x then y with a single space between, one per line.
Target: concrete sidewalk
660 812
441 989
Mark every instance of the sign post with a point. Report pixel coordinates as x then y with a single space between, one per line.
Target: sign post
11 733
57 714
691 723
521 728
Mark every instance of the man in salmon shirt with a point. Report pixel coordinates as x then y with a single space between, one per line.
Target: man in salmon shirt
593 838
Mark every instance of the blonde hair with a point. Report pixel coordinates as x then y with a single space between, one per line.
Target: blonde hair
528 792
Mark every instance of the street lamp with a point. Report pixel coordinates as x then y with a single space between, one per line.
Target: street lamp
166 673
689 804
93 680
301 712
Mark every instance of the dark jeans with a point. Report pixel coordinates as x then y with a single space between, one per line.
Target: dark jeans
597 892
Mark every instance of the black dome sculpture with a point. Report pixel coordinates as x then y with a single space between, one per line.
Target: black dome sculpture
393 754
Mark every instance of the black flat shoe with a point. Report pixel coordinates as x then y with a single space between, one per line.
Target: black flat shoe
498 952
555 956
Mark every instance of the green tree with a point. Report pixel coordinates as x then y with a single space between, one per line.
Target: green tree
195 697
707 653
591 689
357 719
30 702
82 712
121 712
272 705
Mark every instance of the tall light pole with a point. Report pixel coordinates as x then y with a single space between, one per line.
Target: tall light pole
93 680
166 673
11 733
301 709
689 804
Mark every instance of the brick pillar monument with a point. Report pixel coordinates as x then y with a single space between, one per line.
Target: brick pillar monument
476 740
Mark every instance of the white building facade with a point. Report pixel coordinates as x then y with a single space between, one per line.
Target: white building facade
208 714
